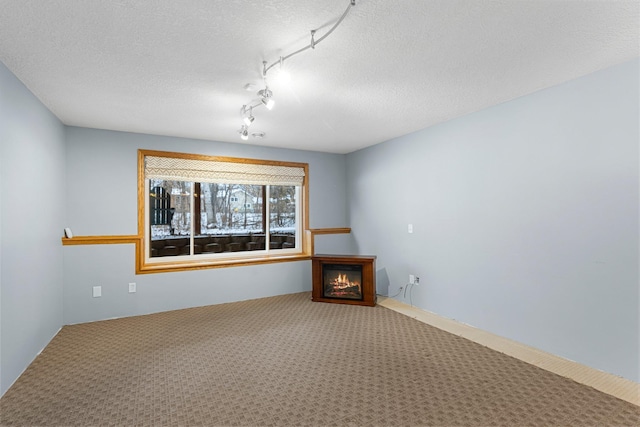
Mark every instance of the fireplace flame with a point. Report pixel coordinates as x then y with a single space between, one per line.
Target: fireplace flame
341 281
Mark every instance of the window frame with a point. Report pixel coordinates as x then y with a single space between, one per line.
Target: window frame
146 264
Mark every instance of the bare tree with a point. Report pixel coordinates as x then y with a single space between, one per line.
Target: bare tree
211 206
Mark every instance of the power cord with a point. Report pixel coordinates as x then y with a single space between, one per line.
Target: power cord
410 287
393 296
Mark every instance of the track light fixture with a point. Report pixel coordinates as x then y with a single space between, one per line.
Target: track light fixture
265 96
244 132
248 117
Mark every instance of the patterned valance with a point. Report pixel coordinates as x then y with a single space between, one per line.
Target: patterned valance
178 169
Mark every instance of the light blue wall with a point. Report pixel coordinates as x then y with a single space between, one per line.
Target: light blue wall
525 218
102 200
32 214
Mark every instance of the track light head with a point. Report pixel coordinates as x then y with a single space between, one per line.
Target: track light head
266 97
244 132
268 102
247 116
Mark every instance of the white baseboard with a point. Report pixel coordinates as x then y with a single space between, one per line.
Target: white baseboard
616 386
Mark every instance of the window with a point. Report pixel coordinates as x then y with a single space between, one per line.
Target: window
200 210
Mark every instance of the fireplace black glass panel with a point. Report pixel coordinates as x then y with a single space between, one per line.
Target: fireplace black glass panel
342 281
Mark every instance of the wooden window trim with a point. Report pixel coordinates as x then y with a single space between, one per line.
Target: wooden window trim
143 267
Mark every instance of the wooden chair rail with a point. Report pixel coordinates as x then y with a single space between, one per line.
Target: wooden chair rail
101 240
137 240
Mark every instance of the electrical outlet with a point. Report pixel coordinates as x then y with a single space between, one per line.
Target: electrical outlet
132 288
410 228
97 291
412 279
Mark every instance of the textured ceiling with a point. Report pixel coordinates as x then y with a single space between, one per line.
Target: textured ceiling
392 67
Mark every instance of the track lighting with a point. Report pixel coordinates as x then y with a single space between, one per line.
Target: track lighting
265 95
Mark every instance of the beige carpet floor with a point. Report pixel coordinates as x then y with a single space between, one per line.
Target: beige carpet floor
287 361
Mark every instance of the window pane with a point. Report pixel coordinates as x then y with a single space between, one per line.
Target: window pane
230 208
231 218
282 217
170 217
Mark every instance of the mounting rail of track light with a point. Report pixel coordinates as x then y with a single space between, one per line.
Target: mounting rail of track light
265 96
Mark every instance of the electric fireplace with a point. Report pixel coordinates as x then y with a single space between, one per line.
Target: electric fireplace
344 279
